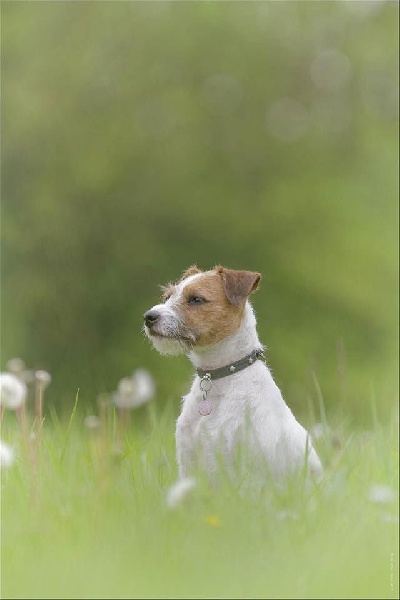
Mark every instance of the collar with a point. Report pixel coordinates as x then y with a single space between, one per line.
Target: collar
232 368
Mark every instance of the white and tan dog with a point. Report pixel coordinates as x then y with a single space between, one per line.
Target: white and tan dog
234 405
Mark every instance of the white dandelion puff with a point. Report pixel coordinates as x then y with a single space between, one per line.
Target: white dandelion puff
13 391
43 377
322 431
134 391
92 422
178 492
42 381
144 386
381 494
15 365
287 515
319 431
388 518
124 397
7 457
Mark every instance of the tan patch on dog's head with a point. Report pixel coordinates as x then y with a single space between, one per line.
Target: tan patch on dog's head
170 288
212 305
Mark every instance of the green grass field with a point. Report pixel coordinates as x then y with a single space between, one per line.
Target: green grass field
91 522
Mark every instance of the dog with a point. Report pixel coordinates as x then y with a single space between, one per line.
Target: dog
234 407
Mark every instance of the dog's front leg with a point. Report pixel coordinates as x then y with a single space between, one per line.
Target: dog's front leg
185 447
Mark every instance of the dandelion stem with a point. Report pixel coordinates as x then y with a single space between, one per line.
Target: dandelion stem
38 403
24 428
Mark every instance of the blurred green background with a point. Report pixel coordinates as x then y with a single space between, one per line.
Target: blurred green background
142 137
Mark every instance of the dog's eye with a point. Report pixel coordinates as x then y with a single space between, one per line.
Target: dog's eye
196 300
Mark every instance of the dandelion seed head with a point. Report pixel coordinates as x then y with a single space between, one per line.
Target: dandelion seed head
287 515
144 386
7 456
135 390
15 365
92 422
124 397
43 377
388 518
317 431
381 494
178 492
13 391
126 386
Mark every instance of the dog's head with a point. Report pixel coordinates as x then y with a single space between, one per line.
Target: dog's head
201 309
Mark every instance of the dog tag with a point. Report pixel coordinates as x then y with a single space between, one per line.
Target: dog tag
204 408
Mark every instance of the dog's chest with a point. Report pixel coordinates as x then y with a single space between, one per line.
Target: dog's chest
228 402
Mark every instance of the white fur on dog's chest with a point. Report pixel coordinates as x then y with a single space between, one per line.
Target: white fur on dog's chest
227 403
247 409
236 401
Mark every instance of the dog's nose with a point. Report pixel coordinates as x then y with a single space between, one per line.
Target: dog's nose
150 317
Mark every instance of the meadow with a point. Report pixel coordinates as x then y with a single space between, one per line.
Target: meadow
90 519
139 138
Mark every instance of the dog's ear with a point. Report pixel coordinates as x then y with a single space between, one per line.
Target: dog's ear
238 285
192 270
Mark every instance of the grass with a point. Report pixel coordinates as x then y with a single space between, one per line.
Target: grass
95 524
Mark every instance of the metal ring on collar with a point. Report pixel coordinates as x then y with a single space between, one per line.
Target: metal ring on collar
205 384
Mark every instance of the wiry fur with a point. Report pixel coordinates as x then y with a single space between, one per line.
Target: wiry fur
249 415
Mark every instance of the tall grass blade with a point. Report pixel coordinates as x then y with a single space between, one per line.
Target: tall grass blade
68 432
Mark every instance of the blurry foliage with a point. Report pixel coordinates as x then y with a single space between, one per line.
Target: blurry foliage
139 138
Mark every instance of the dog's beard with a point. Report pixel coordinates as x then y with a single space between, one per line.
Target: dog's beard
167 346
170 342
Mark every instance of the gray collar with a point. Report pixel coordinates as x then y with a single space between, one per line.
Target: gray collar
232 368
